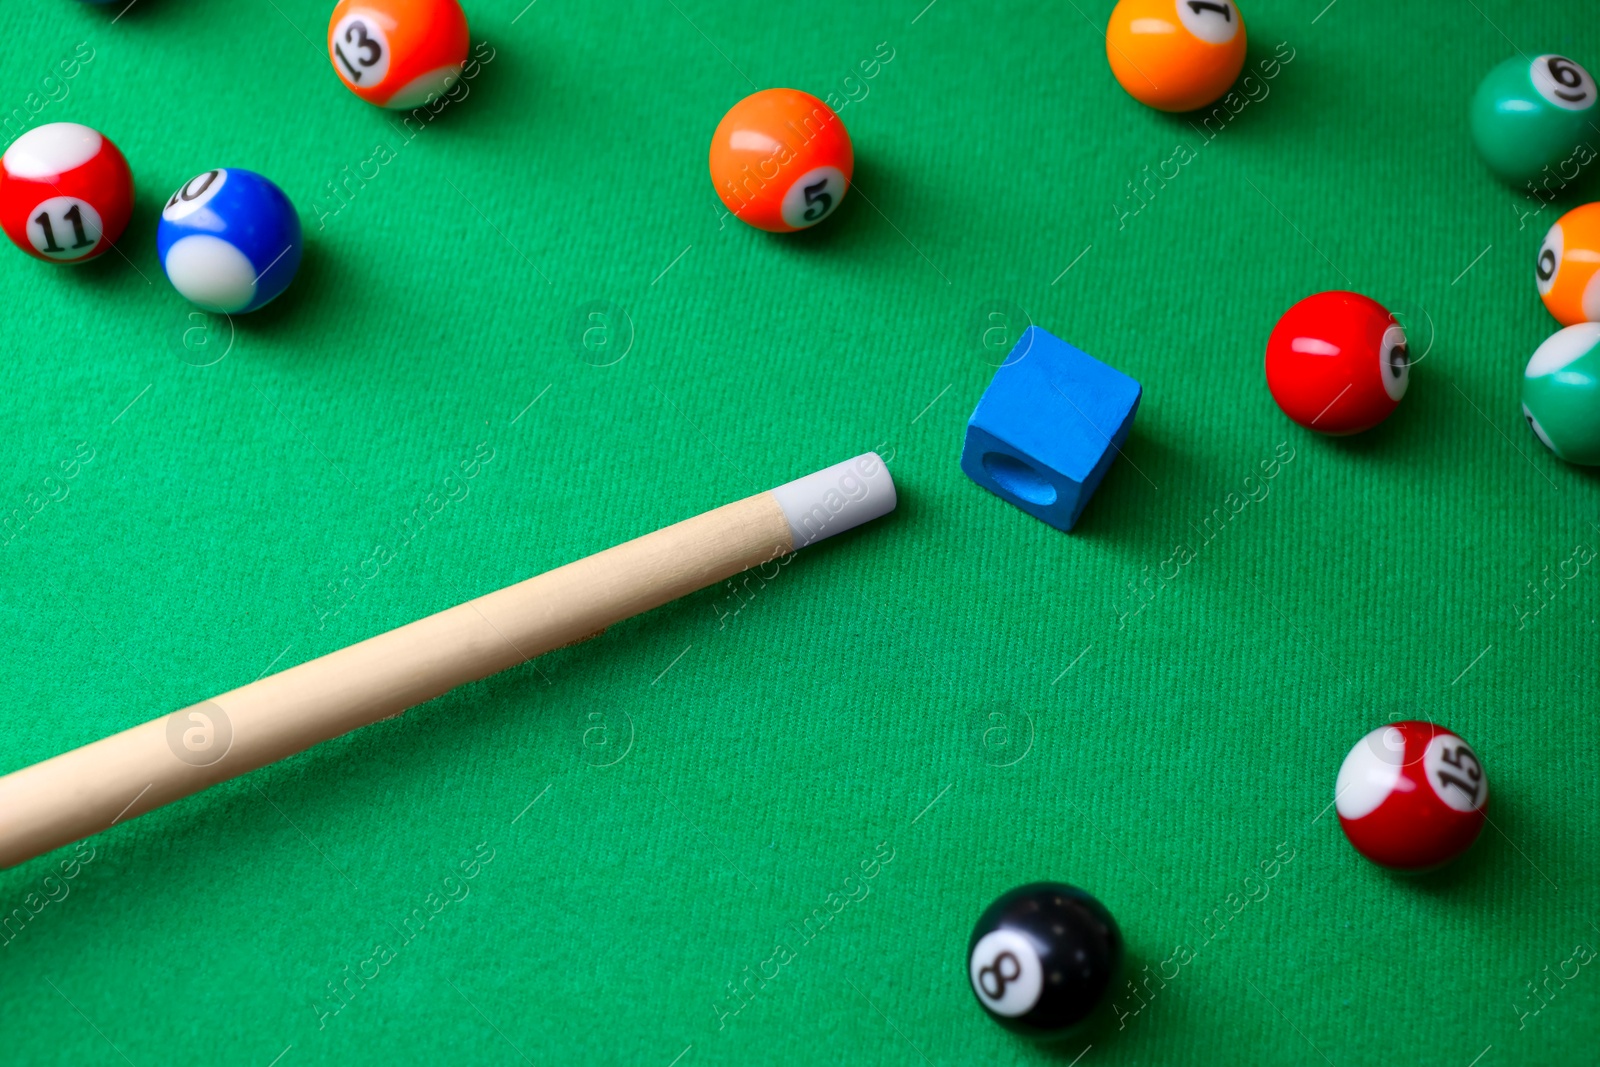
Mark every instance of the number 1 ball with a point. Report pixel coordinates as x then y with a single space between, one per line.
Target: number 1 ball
1042 958
1337 363
1531 114
66 193
229 240
781 160
1411 796
1175 55
398 54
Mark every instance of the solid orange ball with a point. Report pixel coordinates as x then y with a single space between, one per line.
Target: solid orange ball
398 54
1567 271
1175 55
781 160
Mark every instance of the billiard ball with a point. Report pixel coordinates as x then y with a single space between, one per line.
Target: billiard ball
1337 363
66 193
1175 55
1561 394
398 54
1411 796
781 160
1531 114
1042 958
1568 268
229 240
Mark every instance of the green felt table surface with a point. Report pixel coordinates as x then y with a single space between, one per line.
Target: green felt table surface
755 826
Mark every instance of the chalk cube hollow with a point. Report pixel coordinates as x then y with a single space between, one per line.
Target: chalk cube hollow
1048 427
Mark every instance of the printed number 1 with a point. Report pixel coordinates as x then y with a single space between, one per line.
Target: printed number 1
74 215
1198 6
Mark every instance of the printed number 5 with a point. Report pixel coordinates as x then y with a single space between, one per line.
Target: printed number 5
1470 768
821 202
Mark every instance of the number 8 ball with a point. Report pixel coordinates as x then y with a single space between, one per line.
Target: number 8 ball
1042 958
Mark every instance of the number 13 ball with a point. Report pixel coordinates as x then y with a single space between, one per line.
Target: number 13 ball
398 54
1042 959
781 160
65 192
1175 55
1411 796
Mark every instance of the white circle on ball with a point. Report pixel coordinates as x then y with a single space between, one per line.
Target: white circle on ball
1369 773
1394 361
1548 265
1006 972
814 196
1563 347
425 89
46 152
360 51
195 194
211 273
1455 773
1538 431
64 228
1562 82
1215 22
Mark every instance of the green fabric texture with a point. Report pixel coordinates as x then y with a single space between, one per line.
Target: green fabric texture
756 825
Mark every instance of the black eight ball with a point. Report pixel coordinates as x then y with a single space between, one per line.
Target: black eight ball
1043 957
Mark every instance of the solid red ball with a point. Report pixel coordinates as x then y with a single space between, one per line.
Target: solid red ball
1411 796
1337 363
66 193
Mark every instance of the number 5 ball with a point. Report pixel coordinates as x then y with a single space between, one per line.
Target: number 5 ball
1175 55
398 54
781 160
1411 796
1337 363
1042 959
66 193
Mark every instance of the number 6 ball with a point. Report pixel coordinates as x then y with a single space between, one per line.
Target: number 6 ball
1411 796
1042 958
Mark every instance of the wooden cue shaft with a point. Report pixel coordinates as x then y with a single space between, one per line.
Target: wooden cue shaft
89 789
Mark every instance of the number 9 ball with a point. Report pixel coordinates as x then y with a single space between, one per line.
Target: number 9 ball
781 160
1337 363
1411 796
1042 959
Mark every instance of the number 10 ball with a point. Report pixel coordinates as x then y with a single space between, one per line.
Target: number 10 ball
1042 959
781 160
398 54
229 240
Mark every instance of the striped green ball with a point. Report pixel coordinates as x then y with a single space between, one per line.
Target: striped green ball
1561 394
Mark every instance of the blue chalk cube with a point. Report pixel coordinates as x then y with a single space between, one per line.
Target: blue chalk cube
1048 426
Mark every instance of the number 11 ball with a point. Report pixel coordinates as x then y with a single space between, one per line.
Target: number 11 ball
1411 796
66 193
398 54
781 160
1042 959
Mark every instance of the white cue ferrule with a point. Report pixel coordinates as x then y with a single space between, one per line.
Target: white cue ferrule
836 499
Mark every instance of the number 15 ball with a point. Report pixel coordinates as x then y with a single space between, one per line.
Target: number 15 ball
781 160
398 54
1411 796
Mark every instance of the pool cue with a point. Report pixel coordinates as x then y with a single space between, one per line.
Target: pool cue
92 788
